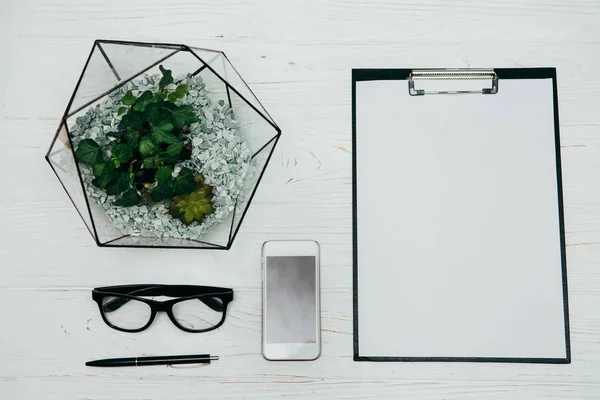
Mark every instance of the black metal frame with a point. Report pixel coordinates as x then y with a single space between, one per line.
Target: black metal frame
176 49
124 293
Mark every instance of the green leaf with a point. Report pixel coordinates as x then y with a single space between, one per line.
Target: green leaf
188 216
166 79
88 152
174 150
128 198
132 120
178 93
105 173
166 159
105 179
198 195
121 110
162 133
121 151
143 101
150 162
184 182
147 148
160 96
163 174
172 154
119 186
183 115
128 99
162 191
98 169
132 137
158 112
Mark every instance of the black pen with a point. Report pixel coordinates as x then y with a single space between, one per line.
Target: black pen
159 360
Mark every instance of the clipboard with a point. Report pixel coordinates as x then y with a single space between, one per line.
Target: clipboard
458 226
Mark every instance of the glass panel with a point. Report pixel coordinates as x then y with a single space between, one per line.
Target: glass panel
257 166
62 161
227 71
252 126
214 85
111 64
95 200
200 313
105 228
97 78
180 64
129 60
212 58
126 313
219 233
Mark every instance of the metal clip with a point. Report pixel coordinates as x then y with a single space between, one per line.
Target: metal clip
449 75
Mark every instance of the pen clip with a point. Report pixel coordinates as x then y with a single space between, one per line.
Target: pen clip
187 366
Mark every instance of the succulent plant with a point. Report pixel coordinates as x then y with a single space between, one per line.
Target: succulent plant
193 206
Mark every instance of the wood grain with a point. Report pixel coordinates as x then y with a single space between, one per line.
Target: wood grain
297 57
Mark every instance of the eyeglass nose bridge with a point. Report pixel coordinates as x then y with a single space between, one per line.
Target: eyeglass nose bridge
164 307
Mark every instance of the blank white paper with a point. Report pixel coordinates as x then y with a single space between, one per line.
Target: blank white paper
459 249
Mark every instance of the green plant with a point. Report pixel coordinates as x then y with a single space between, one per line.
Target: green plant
193 206
137 164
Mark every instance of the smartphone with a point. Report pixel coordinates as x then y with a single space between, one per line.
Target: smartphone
291 304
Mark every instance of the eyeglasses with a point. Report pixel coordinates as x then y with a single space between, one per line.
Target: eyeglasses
195 308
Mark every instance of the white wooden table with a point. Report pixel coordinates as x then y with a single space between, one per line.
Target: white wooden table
297 57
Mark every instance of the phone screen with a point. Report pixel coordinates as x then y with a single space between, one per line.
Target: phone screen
291 304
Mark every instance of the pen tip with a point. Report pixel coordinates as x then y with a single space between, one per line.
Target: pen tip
214 358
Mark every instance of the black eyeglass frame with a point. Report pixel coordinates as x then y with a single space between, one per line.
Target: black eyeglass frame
182 292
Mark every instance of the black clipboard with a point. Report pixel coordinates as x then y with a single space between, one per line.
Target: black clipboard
426 103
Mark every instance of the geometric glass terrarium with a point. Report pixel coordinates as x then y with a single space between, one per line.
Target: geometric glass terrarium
162 145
